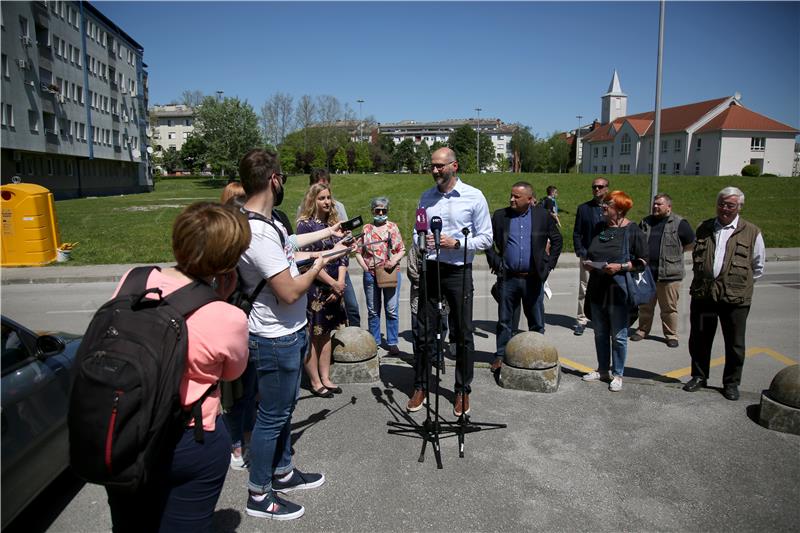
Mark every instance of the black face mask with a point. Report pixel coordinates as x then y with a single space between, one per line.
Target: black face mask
278 196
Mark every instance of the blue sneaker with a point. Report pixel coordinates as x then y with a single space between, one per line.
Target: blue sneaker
298 481
274 508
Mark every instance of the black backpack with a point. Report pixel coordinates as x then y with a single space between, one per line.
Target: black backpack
125 415
240 297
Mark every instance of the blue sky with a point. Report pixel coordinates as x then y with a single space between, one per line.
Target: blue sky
536 63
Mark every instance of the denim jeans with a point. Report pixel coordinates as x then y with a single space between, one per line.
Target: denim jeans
241 417
610 324
351 303
391 303
279 367
530 291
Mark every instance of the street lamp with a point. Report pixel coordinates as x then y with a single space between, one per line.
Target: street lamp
360 122
578 145
478 109
219 95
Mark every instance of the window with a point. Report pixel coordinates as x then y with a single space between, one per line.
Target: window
757 144
625 144
604 168
699 144
69 168
49 167
677 145
697 168
624 168
188 122
605 154
80 95
664 146
594 168
6 74
662 168
185 135
650 147
649 168
169 122
8 115
33 120
594 153
24 31
676 168
171 135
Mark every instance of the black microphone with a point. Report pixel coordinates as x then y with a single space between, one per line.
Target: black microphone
436 228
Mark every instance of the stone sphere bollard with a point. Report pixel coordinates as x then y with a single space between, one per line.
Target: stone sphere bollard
531 363
780 404
355 356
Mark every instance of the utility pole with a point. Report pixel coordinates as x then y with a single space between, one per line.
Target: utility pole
360 122
578 145
478 158
657 135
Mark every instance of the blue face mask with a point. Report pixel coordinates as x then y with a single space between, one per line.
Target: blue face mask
380 219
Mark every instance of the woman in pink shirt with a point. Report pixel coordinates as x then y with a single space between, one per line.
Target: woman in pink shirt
207 241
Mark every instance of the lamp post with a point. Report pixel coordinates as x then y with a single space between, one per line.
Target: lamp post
219 95
578 146
360 122
478 155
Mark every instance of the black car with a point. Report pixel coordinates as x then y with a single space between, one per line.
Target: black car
36 375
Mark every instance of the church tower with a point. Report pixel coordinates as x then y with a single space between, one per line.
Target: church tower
615 102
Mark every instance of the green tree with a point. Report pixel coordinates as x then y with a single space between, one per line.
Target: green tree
423 156
559 153
363 160
229 128
523 148
320 158
404 156
502 163
171 160
340 160
464 142
193 153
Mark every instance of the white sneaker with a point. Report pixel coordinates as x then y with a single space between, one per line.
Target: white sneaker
239 462
595 376
616 384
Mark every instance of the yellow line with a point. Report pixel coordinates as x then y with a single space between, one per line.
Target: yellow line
686 371
572 364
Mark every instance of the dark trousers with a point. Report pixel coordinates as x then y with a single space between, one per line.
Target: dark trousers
453 280
184 499
513 290
351 303
703 319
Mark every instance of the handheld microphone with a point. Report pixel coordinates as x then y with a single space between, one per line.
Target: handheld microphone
421 225
436 228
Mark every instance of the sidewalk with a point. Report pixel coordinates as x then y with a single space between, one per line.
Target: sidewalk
63 273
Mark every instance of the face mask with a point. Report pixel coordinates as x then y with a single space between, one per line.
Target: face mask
278 196
380 219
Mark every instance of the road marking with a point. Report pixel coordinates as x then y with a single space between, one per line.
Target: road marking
572 364
70 311
687 371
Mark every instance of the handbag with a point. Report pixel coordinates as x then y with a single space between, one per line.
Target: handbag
385 280
640 286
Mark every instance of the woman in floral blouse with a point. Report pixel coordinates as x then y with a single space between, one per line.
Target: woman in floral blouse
382 248
326 311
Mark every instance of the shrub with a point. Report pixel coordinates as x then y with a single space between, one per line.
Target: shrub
750 170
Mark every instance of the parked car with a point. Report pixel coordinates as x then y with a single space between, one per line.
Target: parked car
36 372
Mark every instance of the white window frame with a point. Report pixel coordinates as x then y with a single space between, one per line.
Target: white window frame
676 168
625 144
677 145
758 144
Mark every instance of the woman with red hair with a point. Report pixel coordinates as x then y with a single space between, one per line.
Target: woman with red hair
608 302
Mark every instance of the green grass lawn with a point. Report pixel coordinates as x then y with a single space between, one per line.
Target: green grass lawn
136 228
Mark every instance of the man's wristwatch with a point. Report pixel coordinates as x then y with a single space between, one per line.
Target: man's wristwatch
457 245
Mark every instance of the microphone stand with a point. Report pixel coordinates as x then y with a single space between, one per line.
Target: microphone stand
430 429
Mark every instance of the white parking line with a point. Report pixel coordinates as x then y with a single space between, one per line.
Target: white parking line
69 311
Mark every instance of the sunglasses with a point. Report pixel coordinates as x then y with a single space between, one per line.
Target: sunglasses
281 176
440 166
379 211
598 187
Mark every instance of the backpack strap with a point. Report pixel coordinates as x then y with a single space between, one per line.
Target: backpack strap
252 215
191 297
197 413
136 280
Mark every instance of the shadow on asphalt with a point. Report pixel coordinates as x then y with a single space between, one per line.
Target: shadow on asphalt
226 521
300 427
46 508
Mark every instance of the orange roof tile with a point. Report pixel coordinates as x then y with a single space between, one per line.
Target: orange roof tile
640 125
739 118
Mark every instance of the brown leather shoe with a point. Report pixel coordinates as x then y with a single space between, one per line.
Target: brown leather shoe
417 401
497 364
461 404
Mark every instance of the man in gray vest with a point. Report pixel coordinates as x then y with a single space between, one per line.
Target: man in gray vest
728 257
668 236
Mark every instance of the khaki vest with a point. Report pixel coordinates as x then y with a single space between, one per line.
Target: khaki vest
670 258
734 285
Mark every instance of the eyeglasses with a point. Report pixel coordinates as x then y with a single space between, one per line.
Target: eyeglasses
598 187
281 176
440 166
726 205
379 211
606 205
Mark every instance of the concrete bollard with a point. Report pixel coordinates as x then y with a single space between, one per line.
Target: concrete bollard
780 404
355 356
531 363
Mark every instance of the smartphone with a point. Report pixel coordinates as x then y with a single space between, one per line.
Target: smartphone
350 225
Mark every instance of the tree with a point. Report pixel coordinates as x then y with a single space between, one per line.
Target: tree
276 117
329 112
502 163
363 160
404 156
320 158
229 128
193 152
559 153
192 98
523 148
464 142
170 160
340 160
304 116
423 156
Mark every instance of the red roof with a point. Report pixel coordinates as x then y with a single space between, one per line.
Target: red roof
739 118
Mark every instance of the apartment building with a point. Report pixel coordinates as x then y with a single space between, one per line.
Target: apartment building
73 102
170 126
712 138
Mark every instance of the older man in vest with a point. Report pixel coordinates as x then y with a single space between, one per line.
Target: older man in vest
668 235
728 257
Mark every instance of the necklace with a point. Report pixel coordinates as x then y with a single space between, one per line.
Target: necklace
608 234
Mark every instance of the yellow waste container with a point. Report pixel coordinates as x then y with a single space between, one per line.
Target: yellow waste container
30 230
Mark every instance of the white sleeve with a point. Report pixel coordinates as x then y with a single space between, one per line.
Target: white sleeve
266 253
759 257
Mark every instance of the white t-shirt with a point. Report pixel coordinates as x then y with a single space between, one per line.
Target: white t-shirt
264 258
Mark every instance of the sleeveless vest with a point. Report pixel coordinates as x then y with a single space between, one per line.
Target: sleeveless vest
670 258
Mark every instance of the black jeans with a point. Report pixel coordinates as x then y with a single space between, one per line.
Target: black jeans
703 319
454 281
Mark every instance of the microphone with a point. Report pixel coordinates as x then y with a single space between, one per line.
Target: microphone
436 228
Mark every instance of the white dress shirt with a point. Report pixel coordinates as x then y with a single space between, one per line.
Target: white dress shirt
721 236
463 207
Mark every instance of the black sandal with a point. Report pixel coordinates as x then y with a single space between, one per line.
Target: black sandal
335 390
322 392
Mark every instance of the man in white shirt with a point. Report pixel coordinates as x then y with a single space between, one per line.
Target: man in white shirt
460 206
728 257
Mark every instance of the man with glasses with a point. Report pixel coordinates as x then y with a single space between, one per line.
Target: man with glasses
728 257
459 206
588 218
